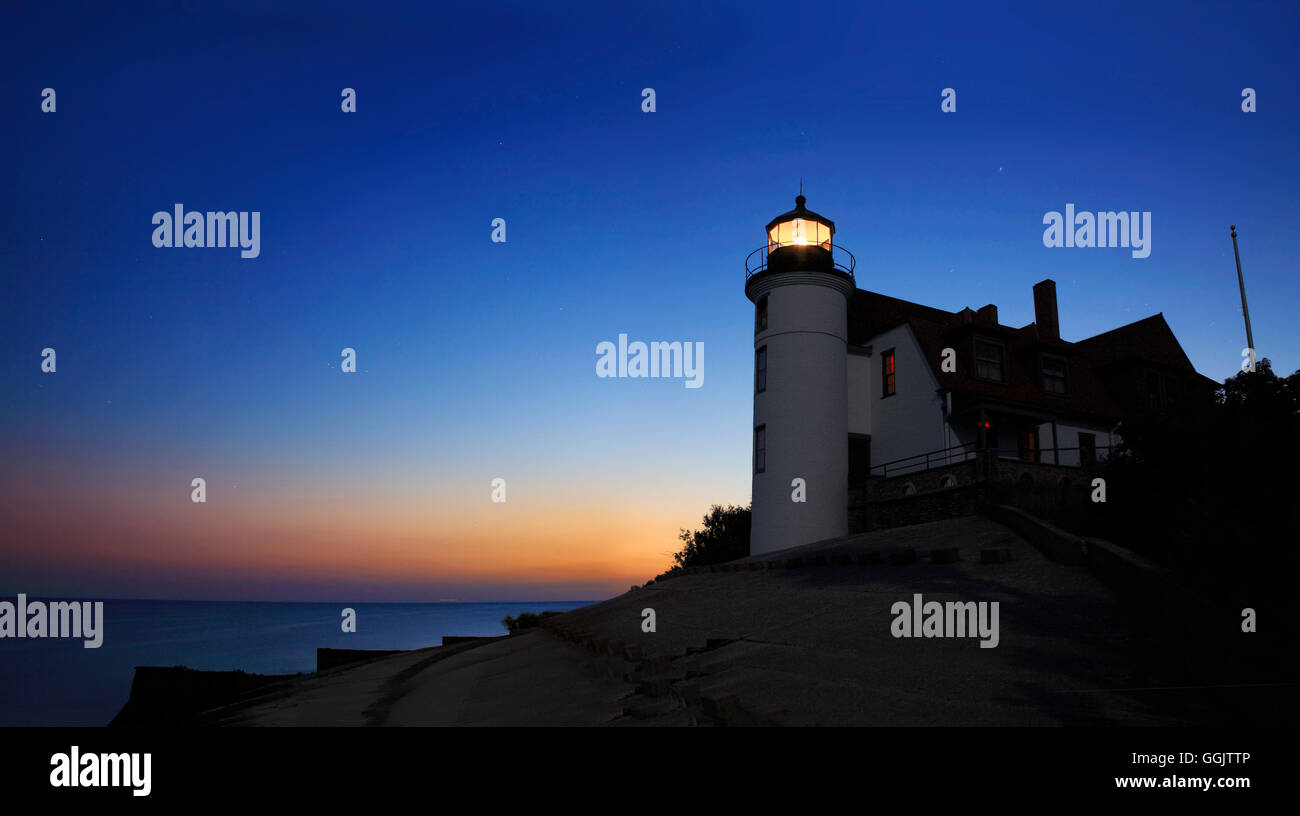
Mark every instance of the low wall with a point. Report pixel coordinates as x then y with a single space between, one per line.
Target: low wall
934 505
1055 492
1130 575
880 489
329 658
1010 470
1154 586
1057 544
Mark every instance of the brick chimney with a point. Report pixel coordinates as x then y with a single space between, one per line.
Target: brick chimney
1049 328
988 314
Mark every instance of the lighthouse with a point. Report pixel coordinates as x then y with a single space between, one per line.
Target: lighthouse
800 283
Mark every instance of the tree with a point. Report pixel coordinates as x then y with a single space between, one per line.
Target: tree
724 537
1216 496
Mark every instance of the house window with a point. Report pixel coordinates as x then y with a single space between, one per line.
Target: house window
887 374
1055 375
1171 390
760 314
989 360
1087 449
1029 445
1154 401
760 449
760 370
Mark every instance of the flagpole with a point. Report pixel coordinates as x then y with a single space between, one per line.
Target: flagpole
1241 283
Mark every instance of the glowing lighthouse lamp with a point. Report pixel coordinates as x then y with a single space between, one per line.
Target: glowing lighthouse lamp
800 239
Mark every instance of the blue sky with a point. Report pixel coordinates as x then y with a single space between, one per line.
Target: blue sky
477 359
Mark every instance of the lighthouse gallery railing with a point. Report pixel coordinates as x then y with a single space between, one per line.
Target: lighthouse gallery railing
842 259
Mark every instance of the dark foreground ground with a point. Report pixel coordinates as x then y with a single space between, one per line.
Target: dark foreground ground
811 645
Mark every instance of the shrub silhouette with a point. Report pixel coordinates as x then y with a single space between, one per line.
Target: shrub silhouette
724 537
1215 496
526 620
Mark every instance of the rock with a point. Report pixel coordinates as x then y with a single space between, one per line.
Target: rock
689 692
904 556
995 555
945 555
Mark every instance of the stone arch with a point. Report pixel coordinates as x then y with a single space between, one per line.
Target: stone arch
948 481
909 489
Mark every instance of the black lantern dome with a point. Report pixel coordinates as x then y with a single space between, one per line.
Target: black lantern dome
800 240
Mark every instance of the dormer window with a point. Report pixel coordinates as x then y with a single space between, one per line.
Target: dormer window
990 360
1055 374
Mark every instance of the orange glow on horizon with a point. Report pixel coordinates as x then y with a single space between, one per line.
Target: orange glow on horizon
613 541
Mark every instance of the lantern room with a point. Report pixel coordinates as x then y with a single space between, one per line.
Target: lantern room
800 227
800 240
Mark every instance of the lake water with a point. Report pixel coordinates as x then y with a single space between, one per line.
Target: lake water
58 682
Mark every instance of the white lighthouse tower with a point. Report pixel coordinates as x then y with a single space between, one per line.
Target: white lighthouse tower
800 288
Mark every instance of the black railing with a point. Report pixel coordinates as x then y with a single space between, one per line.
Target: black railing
1039 456
946 456
841 259
957 454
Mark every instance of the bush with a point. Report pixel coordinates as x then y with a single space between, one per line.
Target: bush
724 537
526 620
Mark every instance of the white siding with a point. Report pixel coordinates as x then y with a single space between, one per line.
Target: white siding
912 420
1067 436
804 411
